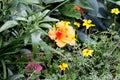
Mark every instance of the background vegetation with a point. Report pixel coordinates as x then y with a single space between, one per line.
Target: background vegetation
24 39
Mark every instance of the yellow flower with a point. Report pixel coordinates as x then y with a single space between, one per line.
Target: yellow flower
115 11
63 66
87 52
65 22
113 24
88 23
77 24
62 34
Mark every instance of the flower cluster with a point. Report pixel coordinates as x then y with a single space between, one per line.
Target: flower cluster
115 11
63 66
63 34
87 52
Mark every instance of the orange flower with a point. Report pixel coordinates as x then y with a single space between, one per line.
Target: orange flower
63 34
79 9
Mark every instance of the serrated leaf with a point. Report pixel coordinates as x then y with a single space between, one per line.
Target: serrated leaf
70 11
8 24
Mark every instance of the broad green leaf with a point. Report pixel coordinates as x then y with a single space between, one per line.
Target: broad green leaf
70 11
52 1
83 4
90 6
8 24
94 5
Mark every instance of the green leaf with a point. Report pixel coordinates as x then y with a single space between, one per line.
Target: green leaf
115 2
35 37
21 19
17 77
83 37
83 4
0 41
8 24
10 73
25 51
45 25
52 1
45 47
48 19
70 11
94 5
31 1
26 39
4 69
91 6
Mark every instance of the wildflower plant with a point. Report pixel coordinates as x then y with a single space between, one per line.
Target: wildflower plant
46 39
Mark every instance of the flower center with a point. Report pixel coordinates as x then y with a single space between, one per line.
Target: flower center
58 35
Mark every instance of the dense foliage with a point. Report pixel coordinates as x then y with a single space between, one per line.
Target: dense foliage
59 40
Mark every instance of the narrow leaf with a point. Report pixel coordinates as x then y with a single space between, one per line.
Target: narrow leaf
45 25
4 69
0 41
30 1
8 24
52 1
17 77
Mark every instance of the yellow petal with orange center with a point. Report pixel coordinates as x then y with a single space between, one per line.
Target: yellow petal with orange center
52 33
60 43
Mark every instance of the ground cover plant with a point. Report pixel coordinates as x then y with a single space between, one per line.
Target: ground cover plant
59 40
